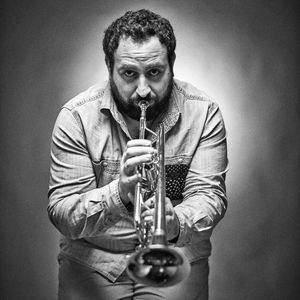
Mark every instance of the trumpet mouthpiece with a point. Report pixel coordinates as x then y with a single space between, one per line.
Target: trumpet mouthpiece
143 104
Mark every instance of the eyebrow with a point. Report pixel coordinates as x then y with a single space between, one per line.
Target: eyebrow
155 65
127 66
147 67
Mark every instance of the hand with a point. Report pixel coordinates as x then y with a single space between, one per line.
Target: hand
172 222
137 152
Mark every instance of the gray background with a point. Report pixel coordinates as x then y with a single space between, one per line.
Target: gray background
243 53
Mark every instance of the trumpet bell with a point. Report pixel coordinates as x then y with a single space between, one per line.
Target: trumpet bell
158 266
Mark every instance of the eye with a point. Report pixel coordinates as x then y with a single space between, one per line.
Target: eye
129 73
154 72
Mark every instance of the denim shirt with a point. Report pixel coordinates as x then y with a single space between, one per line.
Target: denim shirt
89 138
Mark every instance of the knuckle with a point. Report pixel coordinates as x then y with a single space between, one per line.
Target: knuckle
132 179
129 143
127 167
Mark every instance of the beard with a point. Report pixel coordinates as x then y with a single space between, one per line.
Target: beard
130 107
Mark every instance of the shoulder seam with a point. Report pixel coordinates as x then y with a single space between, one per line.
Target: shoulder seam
83 100
76 119
192 97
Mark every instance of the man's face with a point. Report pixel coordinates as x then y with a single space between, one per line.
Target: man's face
141 70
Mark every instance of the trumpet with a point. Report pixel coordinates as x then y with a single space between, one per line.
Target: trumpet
154 263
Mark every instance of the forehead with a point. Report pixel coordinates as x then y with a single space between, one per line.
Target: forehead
149 51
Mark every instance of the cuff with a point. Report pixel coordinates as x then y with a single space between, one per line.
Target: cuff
185 231
115 197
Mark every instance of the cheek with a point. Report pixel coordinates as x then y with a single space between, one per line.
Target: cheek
124 89
161 87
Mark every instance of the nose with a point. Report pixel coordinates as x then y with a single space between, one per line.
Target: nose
143 88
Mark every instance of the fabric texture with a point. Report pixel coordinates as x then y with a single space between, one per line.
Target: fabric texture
88 141
77 282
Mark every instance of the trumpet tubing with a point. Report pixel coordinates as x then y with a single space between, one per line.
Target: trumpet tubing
154 263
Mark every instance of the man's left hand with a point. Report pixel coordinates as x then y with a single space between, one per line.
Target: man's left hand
172 221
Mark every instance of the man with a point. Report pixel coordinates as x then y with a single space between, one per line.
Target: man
95 152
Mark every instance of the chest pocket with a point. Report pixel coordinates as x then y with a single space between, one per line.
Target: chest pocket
175 180
106 171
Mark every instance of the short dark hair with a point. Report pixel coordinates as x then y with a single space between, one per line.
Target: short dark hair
138 25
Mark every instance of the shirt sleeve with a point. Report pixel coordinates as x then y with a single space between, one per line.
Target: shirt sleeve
204 197
77 208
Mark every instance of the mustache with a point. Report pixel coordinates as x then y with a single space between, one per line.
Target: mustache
147 98
137 99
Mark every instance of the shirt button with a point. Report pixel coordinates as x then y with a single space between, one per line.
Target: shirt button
180 160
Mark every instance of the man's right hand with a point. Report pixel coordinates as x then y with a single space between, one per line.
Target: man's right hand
138 151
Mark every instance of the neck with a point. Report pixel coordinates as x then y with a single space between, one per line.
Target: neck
134 126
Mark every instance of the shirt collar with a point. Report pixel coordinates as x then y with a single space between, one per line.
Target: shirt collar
169 119
174 110
108 104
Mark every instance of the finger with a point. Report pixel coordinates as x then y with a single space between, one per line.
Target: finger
149 220
150 202
130 197
169 210
169 204
144 206
139 142
147 213
131 180
131 163
137 151
168 201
